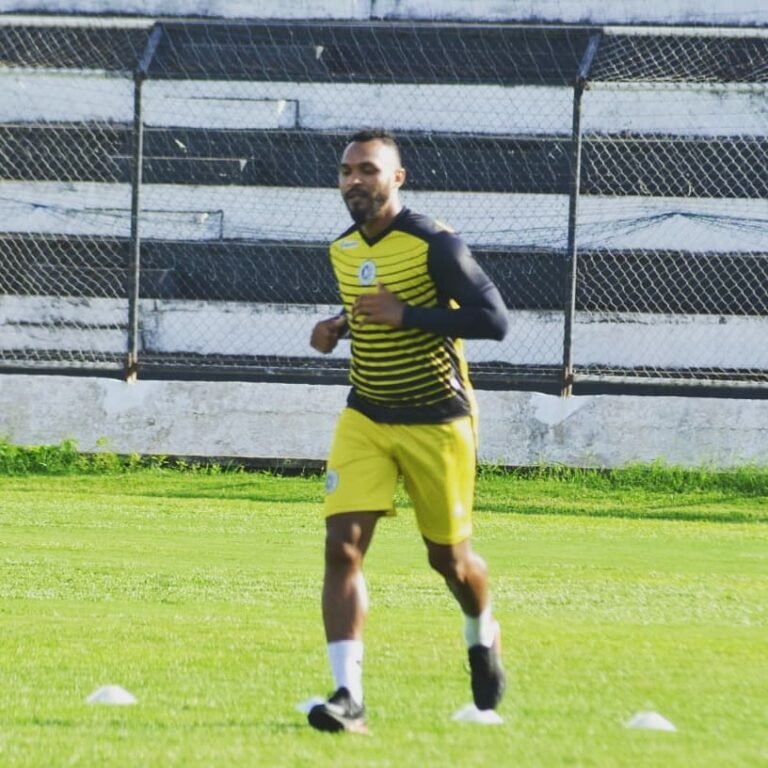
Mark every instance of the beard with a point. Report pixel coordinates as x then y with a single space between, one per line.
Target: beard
363 207
359 213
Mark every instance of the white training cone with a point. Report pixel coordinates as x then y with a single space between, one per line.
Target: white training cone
111 694
471 714
651 721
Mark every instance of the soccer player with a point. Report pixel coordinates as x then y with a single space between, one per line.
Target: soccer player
411 290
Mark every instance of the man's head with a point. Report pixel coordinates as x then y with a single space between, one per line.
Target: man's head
370 176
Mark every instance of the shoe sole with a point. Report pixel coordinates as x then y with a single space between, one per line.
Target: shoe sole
322 720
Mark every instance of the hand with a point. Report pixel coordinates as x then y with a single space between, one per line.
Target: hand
325 334
382 308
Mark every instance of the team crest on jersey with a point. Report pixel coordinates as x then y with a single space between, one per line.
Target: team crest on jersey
331 481
367 273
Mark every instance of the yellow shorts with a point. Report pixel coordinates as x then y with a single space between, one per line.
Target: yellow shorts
436 462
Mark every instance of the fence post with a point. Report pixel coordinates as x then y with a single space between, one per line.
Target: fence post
137 161
569 304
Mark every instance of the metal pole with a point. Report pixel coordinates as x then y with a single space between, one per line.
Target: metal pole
137 162
573 207
134 261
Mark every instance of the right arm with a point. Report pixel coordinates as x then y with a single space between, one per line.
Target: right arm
326 334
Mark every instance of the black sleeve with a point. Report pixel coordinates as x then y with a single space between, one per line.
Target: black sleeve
481 313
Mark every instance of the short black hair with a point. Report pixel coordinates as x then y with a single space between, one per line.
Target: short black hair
369 134
377 134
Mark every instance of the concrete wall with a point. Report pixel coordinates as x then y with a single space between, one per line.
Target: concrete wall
710 12
280 421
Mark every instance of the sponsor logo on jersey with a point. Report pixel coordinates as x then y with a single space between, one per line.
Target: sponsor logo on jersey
346 245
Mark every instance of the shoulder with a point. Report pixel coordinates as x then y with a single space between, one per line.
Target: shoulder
421 225
346 234
442 239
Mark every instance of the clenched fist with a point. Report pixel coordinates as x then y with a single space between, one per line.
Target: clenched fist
382 308
325 335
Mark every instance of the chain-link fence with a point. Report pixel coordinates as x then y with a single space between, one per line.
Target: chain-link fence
168 192
671 237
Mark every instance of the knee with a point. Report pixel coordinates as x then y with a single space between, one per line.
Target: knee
444 561
456 564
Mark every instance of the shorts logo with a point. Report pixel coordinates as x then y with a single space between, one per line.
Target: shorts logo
367 273
331 481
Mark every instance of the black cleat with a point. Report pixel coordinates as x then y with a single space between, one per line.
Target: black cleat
339 713
488 678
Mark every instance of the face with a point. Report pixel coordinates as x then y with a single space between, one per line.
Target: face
369 179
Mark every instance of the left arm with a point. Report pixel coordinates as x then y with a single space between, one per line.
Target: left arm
480 314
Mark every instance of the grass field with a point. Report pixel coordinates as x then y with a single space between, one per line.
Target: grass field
199 593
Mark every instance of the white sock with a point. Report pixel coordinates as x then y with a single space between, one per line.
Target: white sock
346 657
480 630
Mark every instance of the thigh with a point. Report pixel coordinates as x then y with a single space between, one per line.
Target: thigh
361 473
438 466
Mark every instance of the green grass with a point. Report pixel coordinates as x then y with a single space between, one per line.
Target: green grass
198 591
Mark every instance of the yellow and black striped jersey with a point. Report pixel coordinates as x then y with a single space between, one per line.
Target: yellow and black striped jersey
417 373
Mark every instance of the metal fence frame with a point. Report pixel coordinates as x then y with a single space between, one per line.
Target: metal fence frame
565 380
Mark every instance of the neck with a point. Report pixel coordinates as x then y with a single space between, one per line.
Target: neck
376 226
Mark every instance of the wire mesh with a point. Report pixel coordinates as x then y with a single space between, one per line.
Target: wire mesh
243 124
673 225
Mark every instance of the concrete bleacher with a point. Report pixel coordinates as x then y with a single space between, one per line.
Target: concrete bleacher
51 46
728 167
369 53
237 229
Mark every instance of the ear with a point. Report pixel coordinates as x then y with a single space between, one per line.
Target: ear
399 177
